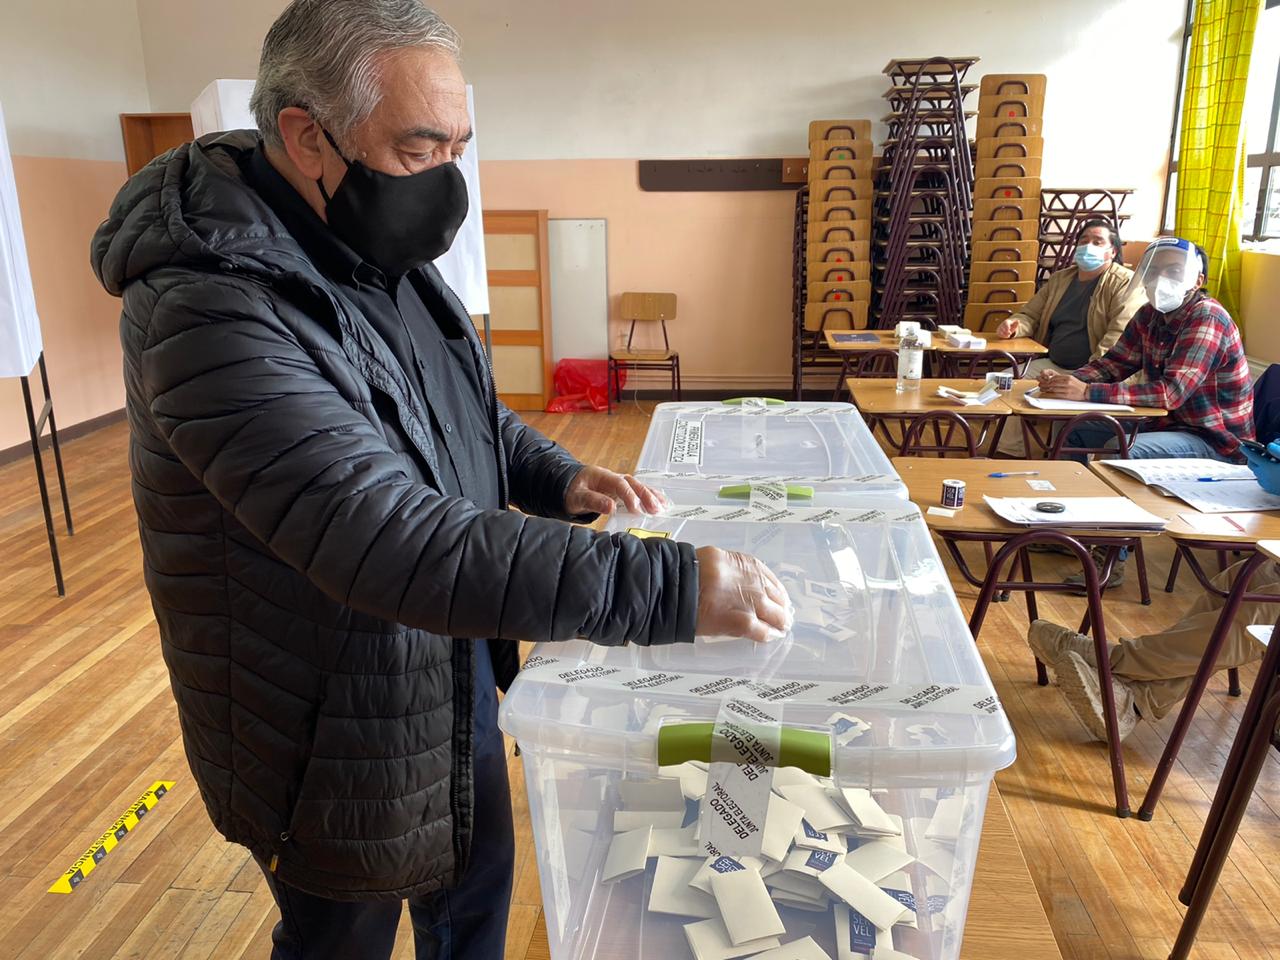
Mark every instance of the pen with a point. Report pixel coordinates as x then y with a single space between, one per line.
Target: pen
1016 473
1220 479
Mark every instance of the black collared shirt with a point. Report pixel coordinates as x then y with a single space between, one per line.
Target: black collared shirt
421 330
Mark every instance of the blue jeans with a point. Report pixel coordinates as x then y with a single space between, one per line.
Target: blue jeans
1147 446
1158 445
468 922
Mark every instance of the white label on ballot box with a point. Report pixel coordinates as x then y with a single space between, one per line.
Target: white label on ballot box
686 441
744 751
954 699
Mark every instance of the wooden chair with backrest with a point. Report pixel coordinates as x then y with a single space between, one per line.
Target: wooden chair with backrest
647 309
879 364
956 438
981 363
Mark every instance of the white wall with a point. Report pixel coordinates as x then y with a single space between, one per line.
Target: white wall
68 68
695 78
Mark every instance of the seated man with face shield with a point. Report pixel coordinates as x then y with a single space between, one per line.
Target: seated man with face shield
1080 311
1189 352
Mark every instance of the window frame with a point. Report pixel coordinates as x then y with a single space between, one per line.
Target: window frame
1268 160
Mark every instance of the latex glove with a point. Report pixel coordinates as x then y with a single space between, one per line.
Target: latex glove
1008 329
597 490
738 596
1265 468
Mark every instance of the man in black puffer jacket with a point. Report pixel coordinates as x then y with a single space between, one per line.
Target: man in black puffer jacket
321 472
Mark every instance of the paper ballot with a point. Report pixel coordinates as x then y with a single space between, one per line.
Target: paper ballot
822 812
862 895
674 842
745 906
877 859
805 948
867 815
709 940
970 398
628 854
1034 399
781 823
945 825
672 894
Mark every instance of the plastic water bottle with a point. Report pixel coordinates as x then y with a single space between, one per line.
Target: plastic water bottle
910 364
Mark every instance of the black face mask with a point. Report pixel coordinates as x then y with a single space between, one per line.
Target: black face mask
396 223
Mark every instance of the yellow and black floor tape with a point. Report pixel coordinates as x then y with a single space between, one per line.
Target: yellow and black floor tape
109 840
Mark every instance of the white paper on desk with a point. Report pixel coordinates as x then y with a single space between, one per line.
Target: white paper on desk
709 940
878 859
1225 496
672 894
862 895
1160 470
1033 398
1218 524
970 398
1081 513
746 909
806 948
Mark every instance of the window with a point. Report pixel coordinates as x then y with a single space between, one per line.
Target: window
1261 219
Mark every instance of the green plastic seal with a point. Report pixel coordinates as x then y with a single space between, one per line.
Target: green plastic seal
739 401
742 491
810 750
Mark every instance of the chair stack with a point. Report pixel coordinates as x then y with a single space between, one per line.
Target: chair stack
1006 198
1062 212
831 269
924 194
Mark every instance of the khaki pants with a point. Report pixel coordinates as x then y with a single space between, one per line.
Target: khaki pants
1159 667
1011 440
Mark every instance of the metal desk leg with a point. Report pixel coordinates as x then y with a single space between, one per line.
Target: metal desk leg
1221 832
1207 664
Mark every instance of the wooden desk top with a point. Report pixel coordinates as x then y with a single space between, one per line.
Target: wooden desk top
1257 526
1018 404
1018 346
880 396
924 475
884 340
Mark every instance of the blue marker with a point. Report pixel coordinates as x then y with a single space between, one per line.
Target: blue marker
1220 479
1016 473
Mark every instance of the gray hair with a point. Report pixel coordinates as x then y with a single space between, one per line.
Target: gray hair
323 56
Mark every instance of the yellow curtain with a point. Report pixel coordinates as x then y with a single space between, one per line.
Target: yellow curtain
1211 151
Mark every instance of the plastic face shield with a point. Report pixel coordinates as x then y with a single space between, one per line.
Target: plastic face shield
1168 272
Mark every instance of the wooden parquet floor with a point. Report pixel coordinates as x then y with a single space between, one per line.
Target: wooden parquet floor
87 723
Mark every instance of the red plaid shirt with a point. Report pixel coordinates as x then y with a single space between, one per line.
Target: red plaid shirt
1194 366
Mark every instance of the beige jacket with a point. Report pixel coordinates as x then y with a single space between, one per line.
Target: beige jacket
1109 309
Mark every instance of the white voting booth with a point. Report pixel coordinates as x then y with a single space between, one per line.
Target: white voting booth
21 345
224 105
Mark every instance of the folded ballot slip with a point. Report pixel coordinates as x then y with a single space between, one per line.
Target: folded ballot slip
806 948
709 940
671 893
862 895
811 839
722 864
628 854
781 823
746 908
877 859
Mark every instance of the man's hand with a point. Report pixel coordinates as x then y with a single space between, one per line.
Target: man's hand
1008 329
597 490
1063 386
738 596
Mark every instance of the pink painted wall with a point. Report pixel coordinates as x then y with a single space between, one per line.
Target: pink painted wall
726 256
62 202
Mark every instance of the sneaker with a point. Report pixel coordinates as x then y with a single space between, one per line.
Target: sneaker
1079 683
1115 580
1050 643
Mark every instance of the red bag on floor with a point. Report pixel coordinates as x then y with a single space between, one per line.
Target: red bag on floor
582 385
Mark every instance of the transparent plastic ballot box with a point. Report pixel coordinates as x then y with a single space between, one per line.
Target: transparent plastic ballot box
887 731
711 452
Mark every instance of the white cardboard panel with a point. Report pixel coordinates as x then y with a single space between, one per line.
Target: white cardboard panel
20 341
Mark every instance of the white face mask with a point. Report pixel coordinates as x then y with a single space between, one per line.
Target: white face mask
1167 294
